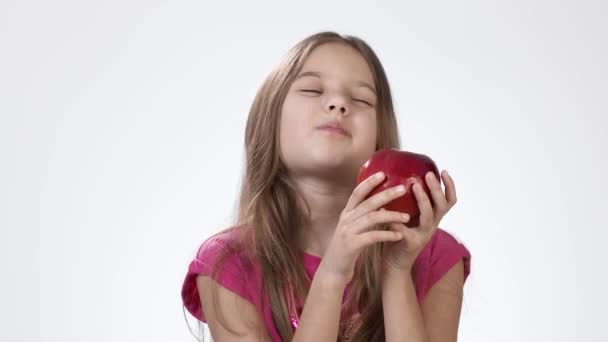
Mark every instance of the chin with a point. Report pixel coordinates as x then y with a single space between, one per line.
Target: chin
329 155
336 163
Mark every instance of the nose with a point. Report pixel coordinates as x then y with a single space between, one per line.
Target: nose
333 107
337 103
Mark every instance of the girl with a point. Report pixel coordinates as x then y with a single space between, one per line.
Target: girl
309 258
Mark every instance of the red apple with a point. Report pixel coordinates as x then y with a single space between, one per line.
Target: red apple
400 167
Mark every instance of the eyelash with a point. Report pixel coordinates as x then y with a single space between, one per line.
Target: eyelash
318 92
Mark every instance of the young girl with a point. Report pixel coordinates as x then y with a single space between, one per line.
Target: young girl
308 257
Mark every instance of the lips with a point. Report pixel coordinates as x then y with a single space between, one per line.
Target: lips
334 126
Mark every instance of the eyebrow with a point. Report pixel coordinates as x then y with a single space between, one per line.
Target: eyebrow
318 75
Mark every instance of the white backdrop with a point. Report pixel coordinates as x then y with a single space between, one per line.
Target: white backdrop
121 135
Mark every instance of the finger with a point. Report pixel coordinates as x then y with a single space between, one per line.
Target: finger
361 190
411 235
426 210
378 200
376 236
450 189
439 200
372 219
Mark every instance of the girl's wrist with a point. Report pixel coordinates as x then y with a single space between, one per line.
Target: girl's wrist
391 269
398 266
331 280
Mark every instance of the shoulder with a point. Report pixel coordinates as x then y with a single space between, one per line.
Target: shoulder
443 253
222 258
226 241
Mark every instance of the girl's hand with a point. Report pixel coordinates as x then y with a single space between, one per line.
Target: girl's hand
401 254
358 228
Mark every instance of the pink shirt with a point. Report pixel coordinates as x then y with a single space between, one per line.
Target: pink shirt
242 277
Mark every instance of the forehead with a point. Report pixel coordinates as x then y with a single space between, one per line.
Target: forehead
338 60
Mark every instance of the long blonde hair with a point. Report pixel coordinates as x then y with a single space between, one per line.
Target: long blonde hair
268 209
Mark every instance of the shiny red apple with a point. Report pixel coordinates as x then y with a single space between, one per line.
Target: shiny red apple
400 167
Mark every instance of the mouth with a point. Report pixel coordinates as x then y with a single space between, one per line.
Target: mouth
334 128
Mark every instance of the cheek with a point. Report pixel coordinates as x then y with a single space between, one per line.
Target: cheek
290 115
366 126
296 114
292 125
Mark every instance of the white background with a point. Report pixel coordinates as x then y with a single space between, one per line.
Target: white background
121 134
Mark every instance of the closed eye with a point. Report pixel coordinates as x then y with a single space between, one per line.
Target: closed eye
313 91
362 101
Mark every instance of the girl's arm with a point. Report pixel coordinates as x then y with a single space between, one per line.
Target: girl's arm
319 320
435 320
321 313
239 314
355 230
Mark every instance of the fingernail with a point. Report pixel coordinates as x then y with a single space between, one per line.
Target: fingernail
400 188
378 175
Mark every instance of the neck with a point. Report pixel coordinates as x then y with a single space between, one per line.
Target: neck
326 200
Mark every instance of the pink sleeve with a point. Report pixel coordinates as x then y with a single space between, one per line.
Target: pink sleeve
441 254
230 275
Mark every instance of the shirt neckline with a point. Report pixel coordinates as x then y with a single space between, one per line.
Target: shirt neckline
311 257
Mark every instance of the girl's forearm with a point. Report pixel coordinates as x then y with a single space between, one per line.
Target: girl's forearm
321 313
402 315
